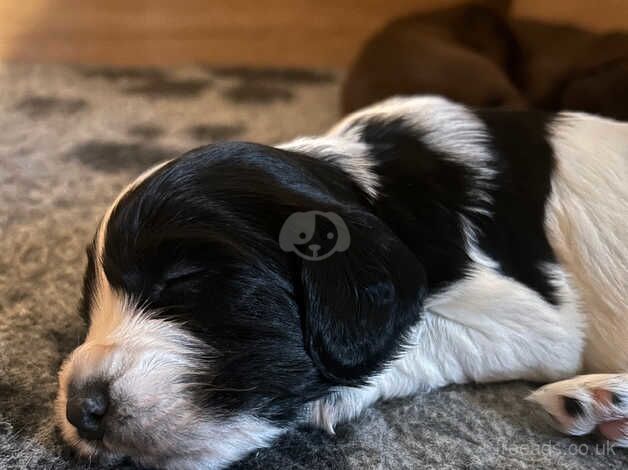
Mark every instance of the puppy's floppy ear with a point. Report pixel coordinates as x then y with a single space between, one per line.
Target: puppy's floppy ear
344 238
358 304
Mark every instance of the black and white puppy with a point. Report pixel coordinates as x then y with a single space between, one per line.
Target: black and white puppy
476 246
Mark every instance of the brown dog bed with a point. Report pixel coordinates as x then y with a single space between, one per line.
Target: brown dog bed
476 54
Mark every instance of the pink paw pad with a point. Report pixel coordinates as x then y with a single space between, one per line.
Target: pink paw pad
588 403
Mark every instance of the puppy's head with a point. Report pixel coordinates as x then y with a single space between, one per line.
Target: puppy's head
205 338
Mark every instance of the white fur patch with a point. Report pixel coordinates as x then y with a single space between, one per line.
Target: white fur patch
587 225
349 155
512 331
101 233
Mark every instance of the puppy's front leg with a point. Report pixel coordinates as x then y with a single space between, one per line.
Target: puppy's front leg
435 353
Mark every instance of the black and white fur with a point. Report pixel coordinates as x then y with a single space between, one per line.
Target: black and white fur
485 246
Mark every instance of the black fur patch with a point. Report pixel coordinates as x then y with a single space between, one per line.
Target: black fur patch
422 195
617 399
573 407
524 161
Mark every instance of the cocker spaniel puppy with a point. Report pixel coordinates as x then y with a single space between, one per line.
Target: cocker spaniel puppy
241 290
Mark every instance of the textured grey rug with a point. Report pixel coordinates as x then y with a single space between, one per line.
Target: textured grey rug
70 138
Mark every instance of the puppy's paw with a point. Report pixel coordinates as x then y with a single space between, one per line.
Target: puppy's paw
323 415
588 402
345 404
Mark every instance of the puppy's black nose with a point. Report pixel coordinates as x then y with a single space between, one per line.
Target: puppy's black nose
86 408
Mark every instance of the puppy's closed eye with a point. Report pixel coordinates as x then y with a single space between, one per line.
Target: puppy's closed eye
181 273
175 283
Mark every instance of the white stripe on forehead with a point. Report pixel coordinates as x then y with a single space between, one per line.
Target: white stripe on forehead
100 239
102 285
349 155
105 302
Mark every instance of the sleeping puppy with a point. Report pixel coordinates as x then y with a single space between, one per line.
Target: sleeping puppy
471 246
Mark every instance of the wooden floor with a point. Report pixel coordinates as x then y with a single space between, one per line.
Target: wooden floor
224 32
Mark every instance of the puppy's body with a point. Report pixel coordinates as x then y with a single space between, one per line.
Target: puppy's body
541 293
485 246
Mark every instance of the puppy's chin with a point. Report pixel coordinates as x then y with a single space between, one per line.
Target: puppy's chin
206 445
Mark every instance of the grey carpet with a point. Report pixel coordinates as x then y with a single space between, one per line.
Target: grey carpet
70 138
